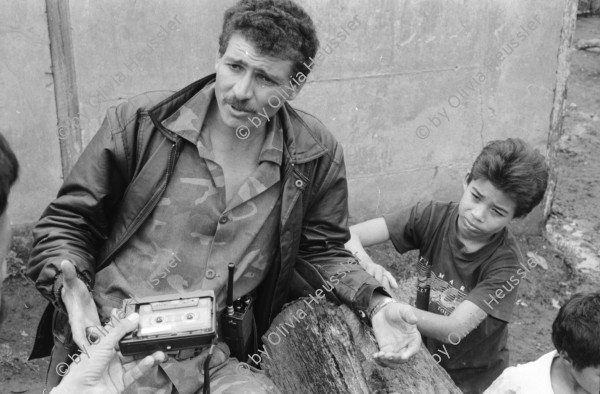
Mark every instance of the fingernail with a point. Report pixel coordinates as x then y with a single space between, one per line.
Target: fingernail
91 335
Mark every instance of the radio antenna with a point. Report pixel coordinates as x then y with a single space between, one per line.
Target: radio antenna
231 267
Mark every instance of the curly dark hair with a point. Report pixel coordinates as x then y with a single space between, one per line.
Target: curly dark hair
278 28
576 330
9 172
516 169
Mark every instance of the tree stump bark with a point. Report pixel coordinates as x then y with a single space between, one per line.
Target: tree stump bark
324 348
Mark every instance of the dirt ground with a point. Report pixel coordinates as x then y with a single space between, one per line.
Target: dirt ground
577 206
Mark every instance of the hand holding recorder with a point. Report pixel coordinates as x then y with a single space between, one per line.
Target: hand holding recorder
102 372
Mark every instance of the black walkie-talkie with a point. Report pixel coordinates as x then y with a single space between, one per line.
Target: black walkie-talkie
236 322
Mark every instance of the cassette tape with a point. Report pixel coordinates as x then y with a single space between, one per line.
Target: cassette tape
170 322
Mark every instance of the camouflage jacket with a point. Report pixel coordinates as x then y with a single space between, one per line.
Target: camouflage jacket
103 202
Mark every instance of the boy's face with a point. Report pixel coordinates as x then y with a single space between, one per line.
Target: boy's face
249 83
483 210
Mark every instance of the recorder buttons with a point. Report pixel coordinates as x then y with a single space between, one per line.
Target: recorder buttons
210 274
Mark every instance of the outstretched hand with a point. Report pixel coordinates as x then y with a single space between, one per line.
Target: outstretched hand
395 328
79 303
102 372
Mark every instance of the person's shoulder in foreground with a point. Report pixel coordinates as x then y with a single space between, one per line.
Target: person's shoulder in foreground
574 367
9 172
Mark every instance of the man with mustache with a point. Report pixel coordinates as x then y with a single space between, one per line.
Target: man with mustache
173 187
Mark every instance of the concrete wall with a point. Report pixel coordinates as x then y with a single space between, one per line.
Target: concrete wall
421 86
413 92
27 110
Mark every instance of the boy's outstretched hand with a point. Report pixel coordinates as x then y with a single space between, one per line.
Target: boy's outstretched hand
102 372
395 328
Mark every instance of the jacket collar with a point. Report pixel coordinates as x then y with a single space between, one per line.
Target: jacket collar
300 144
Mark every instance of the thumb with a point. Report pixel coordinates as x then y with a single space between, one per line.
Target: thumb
122 327
69 273
117 329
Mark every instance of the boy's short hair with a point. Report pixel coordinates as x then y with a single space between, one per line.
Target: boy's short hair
9 172
576 330
516 169
278 28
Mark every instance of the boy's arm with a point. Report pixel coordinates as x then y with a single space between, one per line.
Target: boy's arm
450 329
495 295
371 232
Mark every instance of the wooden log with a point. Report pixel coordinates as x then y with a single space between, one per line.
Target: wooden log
327 349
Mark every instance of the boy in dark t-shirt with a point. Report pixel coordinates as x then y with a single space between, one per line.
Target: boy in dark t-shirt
470 265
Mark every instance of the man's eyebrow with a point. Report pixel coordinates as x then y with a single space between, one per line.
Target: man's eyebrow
260 70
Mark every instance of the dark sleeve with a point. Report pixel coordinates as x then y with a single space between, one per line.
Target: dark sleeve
325 231
408 228
496 294
76 223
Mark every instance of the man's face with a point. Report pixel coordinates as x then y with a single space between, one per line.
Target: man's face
483 210
249 83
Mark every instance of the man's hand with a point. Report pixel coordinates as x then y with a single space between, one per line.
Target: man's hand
395 328
102 372
79 303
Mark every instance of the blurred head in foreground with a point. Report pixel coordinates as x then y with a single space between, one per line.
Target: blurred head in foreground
576 337
9 171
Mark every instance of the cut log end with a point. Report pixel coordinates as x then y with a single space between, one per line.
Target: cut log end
324 348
